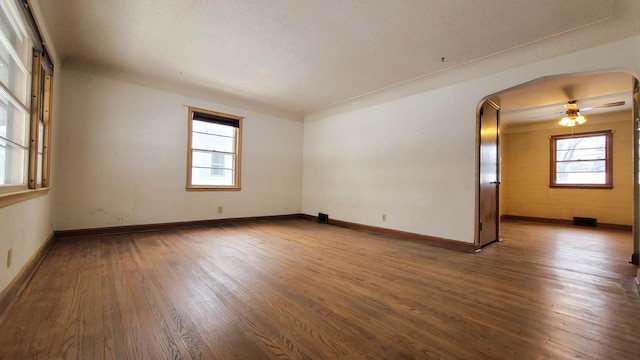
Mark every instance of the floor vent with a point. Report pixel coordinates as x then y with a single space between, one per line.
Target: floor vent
323 218
585 221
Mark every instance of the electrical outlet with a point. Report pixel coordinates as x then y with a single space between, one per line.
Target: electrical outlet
9 258
384 217
220 209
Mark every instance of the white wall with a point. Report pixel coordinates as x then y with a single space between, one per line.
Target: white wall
121 159
400 158
24 227
415 158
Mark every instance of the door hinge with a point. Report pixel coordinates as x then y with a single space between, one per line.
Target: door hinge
480 226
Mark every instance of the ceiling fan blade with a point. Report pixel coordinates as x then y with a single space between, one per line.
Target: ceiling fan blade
607 105
547 115
569 92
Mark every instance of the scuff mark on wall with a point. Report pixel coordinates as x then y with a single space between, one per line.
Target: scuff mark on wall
99 211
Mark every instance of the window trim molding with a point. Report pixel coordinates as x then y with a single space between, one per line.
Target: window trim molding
46 136
15 197
237 185
40 98
32 170
608 161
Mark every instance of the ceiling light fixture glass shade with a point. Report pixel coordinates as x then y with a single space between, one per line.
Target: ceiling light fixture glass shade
573 118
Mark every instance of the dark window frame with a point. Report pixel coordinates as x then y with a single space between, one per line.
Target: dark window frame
608 160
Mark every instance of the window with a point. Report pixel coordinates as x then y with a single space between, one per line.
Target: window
582 160
26 75
213 160
15 76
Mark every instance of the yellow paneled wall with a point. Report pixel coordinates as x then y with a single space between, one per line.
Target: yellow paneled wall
525 174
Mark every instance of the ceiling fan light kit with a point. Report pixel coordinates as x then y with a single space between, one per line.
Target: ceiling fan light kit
573 118
572 112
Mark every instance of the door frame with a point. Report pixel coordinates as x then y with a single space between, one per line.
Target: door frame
495 103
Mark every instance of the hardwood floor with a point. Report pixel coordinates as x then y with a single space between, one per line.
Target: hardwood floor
301 290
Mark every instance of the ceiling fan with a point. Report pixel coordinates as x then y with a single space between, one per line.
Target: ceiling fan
572 110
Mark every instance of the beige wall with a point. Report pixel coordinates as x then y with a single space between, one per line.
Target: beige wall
525 175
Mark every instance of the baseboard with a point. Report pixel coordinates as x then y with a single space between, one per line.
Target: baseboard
12 292
563 222
127 229
426 239
310 217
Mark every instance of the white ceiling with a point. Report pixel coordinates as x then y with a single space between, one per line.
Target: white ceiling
300 56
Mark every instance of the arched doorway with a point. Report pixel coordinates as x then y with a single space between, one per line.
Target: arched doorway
530 113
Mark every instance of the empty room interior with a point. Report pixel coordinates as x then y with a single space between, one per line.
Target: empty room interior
448 179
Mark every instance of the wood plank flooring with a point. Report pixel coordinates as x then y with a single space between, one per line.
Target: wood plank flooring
300 290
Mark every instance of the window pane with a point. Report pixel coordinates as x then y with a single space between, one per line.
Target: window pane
14 31
581 166
215 129
12 76
581 178
13 123
203 176
213 142
581 154
598 141
212 160
12 164
581 172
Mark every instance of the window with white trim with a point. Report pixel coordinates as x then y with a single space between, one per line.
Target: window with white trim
582 160
214 144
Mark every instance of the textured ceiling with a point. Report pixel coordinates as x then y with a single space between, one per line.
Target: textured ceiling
305 55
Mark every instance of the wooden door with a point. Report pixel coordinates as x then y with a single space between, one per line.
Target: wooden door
489 174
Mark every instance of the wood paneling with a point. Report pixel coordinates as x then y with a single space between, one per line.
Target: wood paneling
298 289
525 176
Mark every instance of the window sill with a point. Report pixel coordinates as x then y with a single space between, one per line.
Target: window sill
213 188
22 195
575 186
